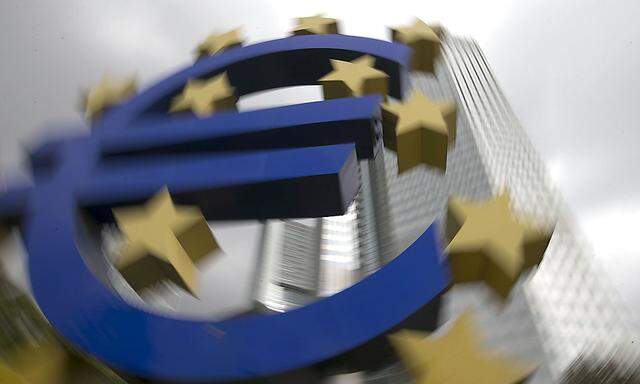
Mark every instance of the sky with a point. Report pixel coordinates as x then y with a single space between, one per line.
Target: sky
569 69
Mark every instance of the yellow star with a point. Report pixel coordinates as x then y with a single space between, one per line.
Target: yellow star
488 244
355 78
205 97
424 42
215 43
455 357
419 130
8 375
107 94
42 364
315 25
164 243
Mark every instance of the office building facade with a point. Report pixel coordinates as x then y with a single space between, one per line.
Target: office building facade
562 309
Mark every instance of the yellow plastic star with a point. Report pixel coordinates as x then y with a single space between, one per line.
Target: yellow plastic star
107 94
315 25
164 243
455 357
215 43
205 97
355 78
419 130
42 364
488 244
424 42
9 376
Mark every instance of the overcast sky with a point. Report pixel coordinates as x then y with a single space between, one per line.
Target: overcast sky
569 68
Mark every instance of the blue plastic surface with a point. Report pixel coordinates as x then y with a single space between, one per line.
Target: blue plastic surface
350 120
96 320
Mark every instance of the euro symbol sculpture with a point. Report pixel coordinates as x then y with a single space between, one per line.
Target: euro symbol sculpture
294 161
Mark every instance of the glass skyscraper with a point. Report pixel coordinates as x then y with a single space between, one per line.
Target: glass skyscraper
562 309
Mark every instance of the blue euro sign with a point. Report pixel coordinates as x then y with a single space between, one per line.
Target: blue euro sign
293 161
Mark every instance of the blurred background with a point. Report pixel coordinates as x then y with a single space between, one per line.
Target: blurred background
569 70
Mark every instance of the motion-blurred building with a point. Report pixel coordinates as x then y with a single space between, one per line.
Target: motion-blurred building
564 308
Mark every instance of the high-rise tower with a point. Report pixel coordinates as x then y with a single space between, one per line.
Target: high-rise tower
562 309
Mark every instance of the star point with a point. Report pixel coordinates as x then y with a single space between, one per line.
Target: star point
164 242
420 131
354 78
205 97
107 94
216 43
488 244
315 25
423 40
455 356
